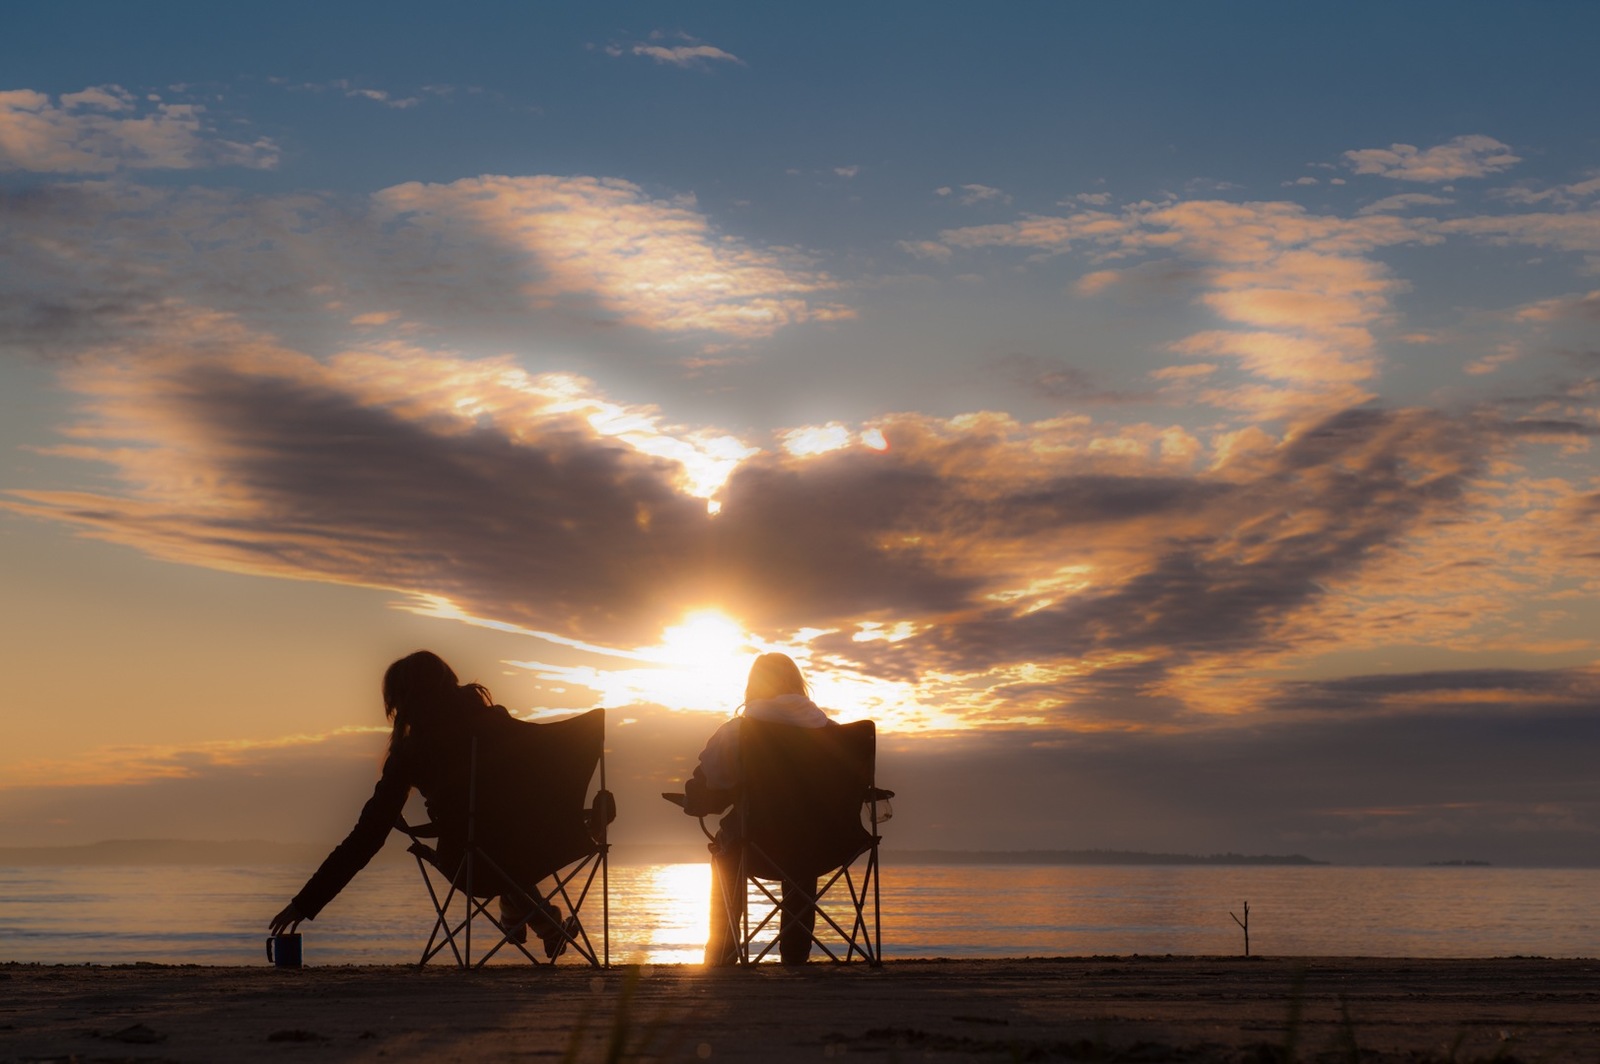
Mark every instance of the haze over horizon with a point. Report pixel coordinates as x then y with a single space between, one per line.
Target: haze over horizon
1174 426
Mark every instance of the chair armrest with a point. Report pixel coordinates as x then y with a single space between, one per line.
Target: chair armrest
700 800
416 831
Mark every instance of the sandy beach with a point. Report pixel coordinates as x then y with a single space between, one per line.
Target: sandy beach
1099 1008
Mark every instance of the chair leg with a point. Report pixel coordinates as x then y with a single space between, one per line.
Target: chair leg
572 885
725 944
536 899
442 924
581 942
799 910
877 919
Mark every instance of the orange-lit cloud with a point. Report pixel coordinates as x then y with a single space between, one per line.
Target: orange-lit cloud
119 765
1305 300
496 259
1461 157
675 49
1565 195
1575 230
1404 201
106 128
997 570
1300 290
970 195
1582 307
653 263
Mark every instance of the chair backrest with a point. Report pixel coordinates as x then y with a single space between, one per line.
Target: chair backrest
531 790
800 794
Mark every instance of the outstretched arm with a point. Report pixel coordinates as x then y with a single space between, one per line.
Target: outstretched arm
350 856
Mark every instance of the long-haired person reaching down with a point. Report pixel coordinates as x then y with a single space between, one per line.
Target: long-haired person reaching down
435 719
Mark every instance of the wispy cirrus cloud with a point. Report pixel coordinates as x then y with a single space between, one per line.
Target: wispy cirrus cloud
1463 157
121 765
302 789
493 256
932 250
381 96
1570 230
1421 692
1566 195
199 791
1299 293
970 195
106 128
1404 201
654 263
1580 307
1303 300
393 99
1054 379
675 49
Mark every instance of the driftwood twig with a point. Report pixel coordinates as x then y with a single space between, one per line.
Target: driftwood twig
1244 925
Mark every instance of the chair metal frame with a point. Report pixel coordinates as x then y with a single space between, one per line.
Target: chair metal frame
454 931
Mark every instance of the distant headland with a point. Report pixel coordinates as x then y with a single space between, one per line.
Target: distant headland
1094 857
162 852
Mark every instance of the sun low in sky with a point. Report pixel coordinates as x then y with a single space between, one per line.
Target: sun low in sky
1174 422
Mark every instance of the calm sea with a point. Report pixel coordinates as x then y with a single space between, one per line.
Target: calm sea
213 915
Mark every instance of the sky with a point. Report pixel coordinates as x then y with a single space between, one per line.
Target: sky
1173 424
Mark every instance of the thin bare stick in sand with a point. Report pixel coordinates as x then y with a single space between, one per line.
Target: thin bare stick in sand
1244 925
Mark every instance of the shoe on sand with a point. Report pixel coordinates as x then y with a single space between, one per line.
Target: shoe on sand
516 925
555 939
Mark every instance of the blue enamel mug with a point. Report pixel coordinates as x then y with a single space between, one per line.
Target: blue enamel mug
284 950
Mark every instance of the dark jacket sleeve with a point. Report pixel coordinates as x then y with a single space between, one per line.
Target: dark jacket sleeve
372 828
709 793
702 800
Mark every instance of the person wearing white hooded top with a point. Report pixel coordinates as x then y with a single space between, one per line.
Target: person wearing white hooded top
775 691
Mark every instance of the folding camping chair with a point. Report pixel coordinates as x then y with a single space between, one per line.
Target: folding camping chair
796 823
531 838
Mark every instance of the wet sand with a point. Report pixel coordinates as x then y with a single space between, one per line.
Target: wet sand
1100 1008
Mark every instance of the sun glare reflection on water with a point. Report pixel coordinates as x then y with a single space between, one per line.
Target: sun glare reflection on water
670 907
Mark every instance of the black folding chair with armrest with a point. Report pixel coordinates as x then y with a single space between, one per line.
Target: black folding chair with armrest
796 821
531 838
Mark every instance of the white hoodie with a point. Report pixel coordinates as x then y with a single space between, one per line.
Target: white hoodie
720 758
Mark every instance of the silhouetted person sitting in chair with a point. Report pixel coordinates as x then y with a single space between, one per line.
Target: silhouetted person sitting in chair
435 719
775 691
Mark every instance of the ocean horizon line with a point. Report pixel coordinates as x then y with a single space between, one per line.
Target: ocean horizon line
162 851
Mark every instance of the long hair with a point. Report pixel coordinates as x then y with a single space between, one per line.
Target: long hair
420 689
772 675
